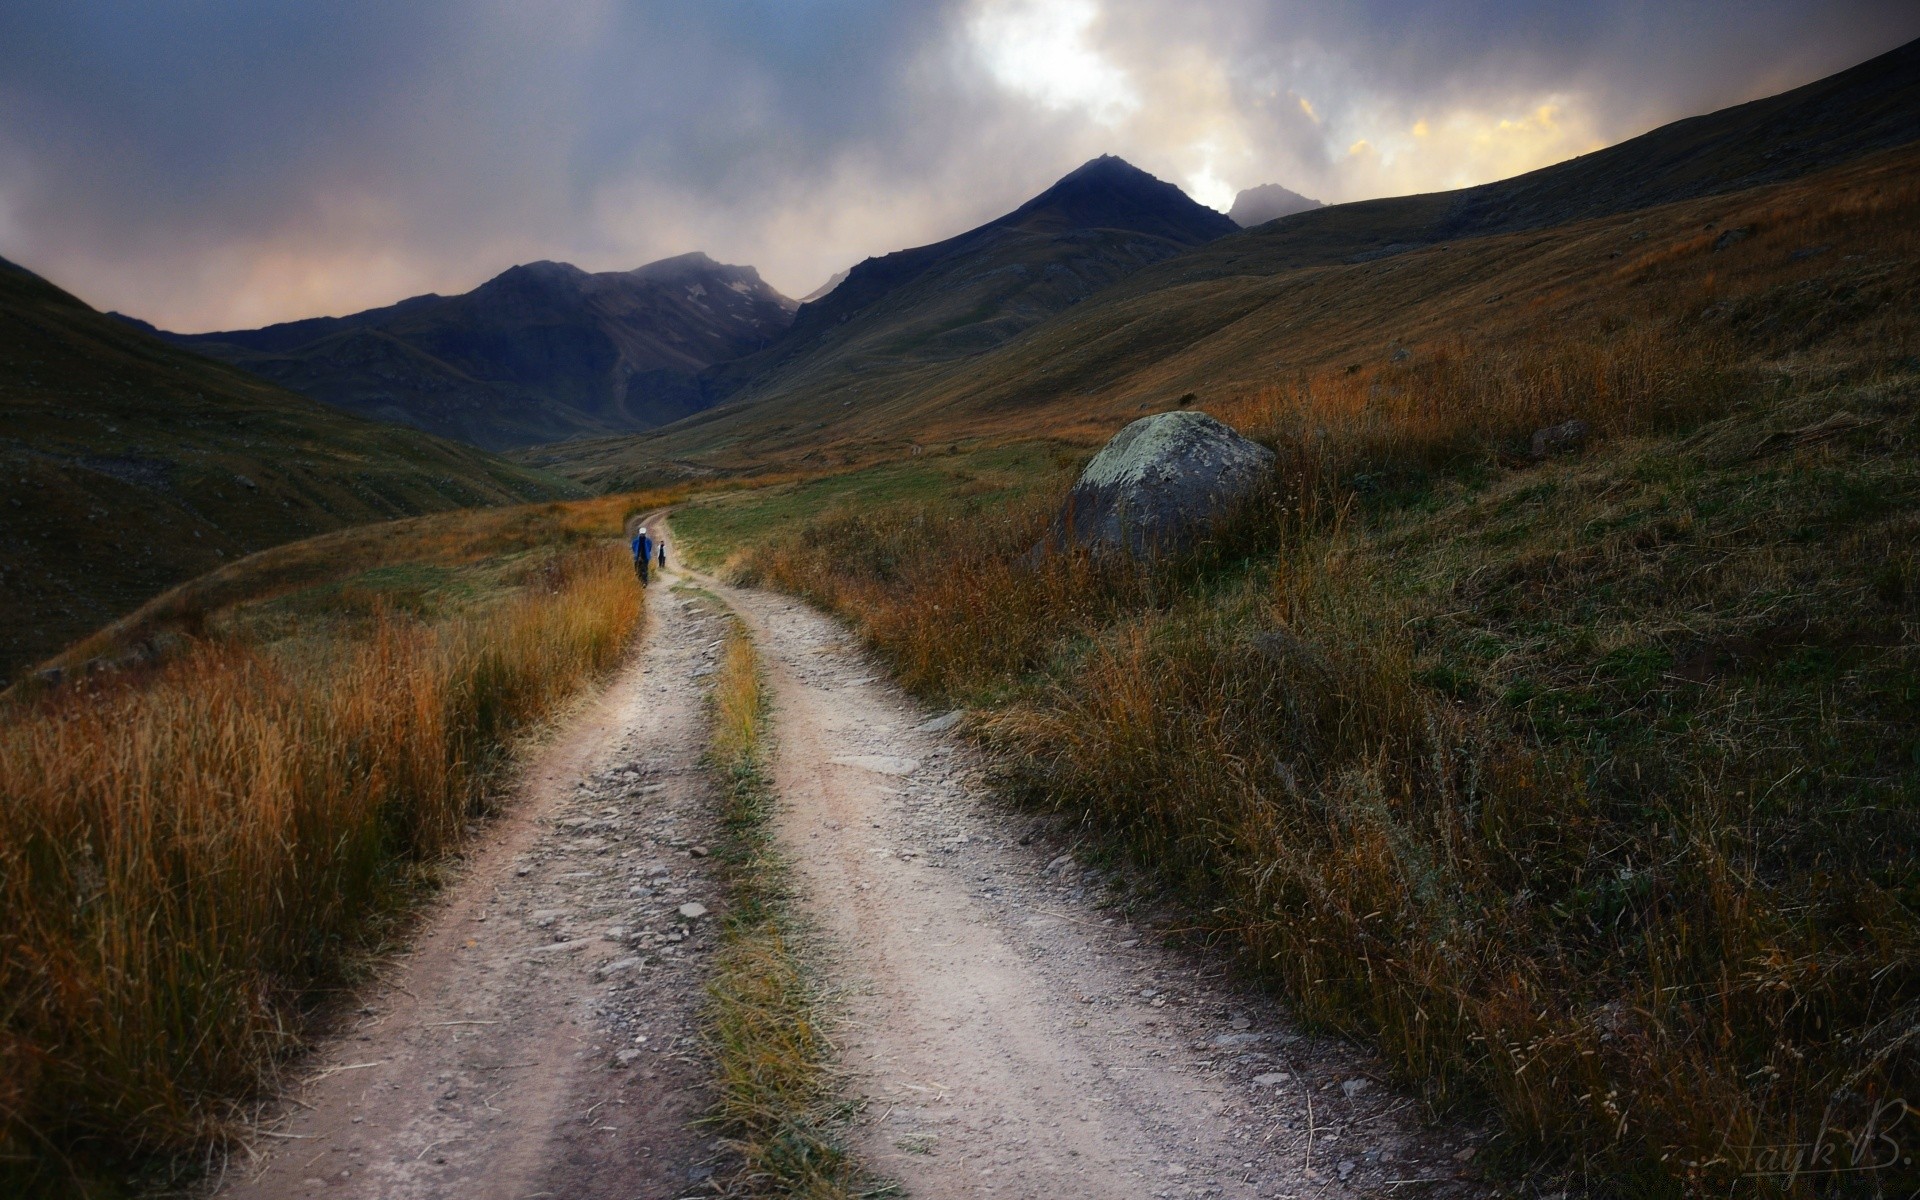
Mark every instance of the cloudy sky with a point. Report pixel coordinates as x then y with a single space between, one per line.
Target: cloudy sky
224 163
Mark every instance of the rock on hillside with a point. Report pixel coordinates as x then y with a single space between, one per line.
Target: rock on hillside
1159 484
538 353
1268 202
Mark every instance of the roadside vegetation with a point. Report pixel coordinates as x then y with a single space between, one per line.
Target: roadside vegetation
200 840
777 1101
1583 786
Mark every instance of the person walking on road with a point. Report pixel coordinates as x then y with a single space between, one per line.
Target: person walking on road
663 554
642 553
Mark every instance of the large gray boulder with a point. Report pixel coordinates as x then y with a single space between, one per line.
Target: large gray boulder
1160 484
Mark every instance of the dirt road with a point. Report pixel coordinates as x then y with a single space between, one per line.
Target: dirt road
539 1039
1010 1037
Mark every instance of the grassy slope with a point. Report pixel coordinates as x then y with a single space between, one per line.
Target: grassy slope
311 566
1351 283
713 526
1585 788
128 466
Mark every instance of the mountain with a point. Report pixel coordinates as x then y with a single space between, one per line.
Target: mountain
538 353
839 277
128 465
954 298
1268 202
1329 285
901 314
1873 106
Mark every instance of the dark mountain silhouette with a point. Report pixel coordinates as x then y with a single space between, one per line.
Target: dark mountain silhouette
129 465
538 353
1268 202
970 293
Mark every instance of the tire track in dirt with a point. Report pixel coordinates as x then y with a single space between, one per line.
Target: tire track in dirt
1010 1038
539 1037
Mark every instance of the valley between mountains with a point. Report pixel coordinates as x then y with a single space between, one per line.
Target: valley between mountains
1003 1026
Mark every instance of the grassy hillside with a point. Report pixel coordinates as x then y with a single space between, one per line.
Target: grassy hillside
127 466
1351 285
1585 788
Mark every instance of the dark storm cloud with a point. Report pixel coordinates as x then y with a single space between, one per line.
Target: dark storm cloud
225 162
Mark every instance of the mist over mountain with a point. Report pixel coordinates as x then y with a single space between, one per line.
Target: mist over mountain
540 352
1268 202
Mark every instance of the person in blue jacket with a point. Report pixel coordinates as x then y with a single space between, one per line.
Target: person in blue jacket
642 553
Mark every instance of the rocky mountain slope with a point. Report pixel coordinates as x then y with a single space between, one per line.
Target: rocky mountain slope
128 465
540 352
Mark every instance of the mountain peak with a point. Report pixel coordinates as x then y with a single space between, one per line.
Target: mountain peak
544 275
1268 202
1109 192
694 263
1107 167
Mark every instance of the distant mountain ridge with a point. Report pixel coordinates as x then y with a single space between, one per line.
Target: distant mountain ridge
1268 202
1106 193
1869 107
540 352
960 297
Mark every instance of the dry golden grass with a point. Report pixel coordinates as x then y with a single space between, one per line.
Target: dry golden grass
186 855
171 619
776 1100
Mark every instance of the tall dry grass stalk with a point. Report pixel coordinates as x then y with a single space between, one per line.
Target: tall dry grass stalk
184 858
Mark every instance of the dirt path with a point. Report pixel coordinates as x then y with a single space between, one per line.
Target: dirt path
1012 1039
538 1039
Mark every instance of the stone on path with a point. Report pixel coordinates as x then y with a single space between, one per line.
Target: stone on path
879 764
942 723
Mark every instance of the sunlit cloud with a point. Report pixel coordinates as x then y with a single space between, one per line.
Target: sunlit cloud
1463 147
1042 49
